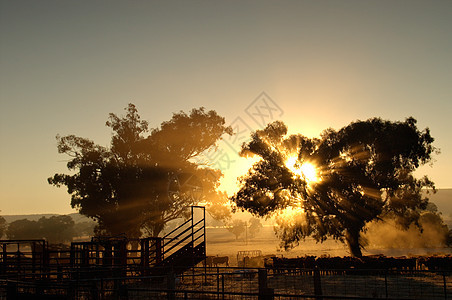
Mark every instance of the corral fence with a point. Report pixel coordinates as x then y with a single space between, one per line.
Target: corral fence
236 283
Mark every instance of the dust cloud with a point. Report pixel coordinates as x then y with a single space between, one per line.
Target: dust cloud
433 233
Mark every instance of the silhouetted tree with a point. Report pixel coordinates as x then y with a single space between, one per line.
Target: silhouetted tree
236 227
334 185
255 226
3 226
56 229
23 230
142 180
85 228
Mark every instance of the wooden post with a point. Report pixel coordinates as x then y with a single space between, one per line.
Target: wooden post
11 291
222 286
5 259
265 293
171 286
158 251
317 284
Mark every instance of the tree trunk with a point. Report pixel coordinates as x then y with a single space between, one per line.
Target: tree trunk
352 240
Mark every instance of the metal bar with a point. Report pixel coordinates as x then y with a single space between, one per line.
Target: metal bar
176 228
174 238
179 242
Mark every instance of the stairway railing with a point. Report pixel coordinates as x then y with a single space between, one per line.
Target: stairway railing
191 234
183 248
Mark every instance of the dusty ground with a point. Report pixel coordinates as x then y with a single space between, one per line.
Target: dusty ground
223 243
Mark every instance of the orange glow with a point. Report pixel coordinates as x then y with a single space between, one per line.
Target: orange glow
291 215
307 170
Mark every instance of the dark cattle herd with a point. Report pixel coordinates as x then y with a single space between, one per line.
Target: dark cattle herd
373 262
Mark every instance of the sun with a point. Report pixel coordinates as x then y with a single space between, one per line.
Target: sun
307 170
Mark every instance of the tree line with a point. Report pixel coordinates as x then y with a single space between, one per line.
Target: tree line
54 229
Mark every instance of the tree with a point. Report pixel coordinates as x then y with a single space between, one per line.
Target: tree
255 226
334 185
85 228
142 180
56 229
3 226
237 228
23 230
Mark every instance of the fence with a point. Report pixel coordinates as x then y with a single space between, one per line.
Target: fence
234 283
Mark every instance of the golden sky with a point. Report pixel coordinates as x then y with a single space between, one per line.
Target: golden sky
64 65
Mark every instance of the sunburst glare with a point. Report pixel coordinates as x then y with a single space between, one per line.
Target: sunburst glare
291 215
307 170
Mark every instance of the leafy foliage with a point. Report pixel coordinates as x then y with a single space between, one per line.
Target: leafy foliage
142 180
255 226
85 228
3 226
365 170
56 229
23 229
237 227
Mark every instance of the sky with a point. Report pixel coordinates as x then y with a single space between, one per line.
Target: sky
65 65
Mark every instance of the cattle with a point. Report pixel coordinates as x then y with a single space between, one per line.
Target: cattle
208 262
218 260
253 262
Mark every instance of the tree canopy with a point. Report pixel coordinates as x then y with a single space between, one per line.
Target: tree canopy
3 226
55 229
23 229
237 227
334 185
146 177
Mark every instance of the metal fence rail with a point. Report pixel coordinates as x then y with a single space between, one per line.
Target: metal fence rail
235 283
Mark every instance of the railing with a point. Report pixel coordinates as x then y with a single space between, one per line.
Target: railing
106 256
29 257
235 283
185 245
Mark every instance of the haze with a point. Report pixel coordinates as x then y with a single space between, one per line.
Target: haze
64 65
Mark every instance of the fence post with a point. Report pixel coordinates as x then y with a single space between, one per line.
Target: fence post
218 284
222 286
386 283
11 291
94 292
317 284
265 293
171 286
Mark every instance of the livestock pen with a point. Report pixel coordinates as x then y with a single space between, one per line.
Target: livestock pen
170 268
238 283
